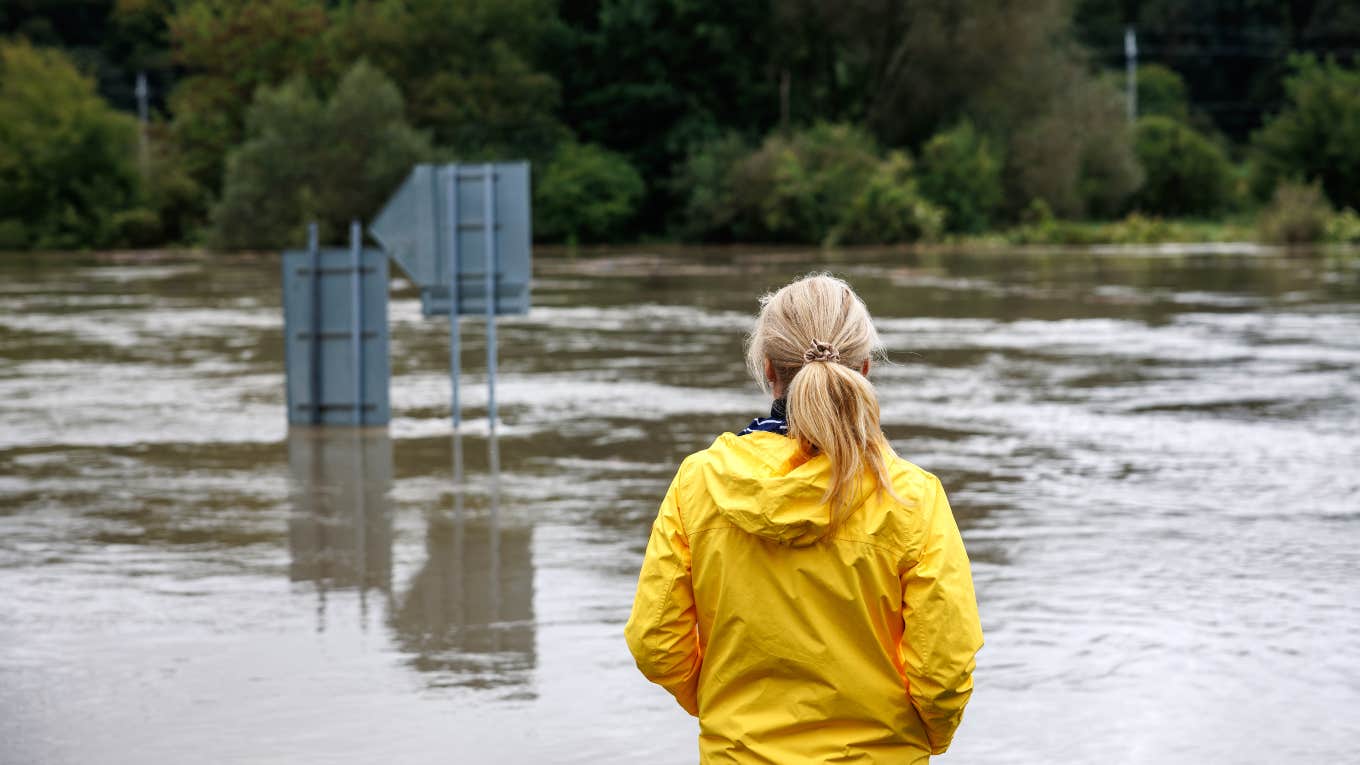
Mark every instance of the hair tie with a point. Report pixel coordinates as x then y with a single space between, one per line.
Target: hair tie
821 351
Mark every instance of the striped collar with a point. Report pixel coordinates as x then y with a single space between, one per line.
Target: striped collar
777 422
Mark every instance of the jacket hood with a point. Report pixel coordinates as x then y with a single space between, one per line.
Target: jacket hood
765 485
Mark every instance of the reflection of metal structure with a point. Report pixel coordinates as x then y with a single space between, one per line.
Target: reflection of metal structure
340 532
469 610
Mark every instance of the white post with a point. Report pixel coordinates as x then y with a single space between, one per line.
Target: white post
1131 68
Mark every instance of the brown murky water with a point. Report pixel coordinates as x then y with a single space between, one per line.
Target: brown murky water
1155 460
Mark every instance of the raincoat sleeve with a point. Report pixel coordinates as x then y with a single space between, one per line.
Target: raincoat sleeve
941 632
662 631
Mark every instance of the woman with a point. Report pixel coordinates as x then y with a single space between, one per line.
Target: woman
805 592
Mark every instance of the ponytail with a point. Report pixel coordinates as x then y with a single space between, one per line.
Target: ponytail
832 407
833 411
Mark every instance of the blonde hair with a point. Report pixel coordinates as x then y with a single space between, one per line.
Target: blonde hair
817 334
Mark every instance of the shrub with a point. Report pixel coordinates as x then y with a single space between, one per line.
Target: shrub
1317 135
822 184
889 208
1076 154
796 187
586 194
305 158
704 182
1184 172
66 158
1344 227
1161 93
1298 213
961 173
138 227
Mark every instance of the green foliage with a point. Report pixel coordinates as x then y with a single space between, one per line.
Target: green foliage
1316 135
890 208
797 186
961 172
1134 228
826 183
1344 227
656 79
229 49
67 161
1161 93
1185 173
704 182
585 194
467 69
1076 153
685 91
138 227
305 158
1227 52
1298 213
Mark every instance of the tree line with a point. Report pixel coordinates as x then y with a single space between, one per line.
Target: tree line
801 121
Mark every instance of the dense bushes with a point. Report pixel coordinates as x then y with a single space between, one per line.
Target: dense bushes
1076 154
961 172
586 193
1161 93
826 183
784 121
67 161
1298 213
306 158
889 209
1184 172
1316 136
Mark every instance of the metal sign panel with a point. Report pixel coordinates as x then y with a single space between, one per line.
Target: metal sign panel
441 215
335 336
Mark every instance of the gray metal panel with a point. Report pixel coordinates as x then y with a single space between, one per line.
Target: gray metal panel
336 353
413 228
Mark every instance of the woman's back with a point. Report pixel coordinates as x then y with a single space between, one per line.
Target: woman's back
803 631
801 637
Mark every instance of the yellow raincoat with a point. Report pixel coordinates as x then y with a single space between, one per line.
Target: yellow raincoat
791 648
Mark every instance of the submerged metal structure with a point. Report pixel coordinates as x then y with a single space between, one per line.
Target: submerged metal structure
461 233
335 333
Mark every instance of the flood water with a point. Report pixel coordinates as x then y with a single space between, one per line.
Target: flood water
1154 460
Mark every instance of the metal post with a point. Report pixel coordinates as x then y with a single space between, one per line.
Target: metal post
356 251
1131 67
142 92
489 237
314 268
455 357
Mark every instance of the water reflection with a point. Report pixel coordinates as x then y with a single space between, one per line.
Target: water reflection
467 615
340 531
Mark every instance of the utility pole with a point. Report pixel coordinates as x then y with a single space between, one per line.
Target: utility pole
141 91
1131 67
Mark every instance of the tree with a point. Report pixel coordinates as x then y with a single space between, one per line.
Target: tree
1186 173
67 160
306 158
1010 67
1233 56
1161 92
585 194
467 69
229 49
654 79
961 172
1316 136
